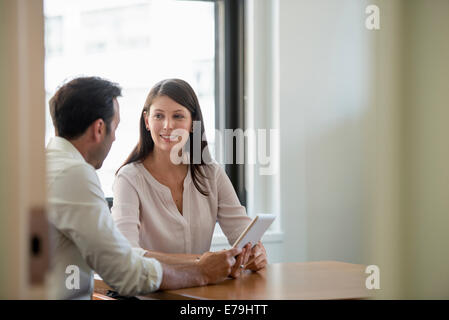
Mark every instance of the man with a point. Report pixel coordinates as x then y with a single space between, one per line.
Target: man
85 113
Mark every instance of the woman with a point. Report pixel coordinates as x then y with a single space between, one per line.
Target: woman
164 204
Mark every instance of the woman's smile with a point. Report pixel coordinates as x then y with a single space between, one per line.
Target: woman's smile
169 138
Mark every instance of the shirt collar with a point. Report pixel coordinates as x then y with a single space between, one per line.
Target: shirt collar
64 145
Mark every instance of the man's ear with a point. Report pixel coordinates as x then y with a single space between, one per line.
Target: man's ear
98 130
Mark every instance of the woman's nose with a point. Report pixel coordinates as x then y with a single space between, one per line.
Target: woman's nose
168 123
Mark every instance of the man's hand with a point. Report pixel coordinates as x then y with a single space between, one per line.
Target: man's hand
216 266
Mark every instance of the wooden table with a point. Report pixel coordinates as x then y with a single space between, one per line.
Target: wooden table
280 281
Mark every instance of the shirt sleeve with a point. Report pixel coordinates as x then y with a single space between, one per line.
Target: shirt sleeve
125 210
231 214
82 215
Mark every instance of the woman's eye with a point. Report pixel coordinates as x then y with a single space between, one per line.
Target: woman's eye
179 116
158 116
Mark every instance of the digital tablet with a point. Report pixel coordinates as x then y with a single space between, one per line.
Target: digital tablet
255 230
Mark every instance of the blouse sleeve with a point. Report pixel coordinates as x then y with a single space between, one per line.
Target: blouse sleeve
231 214
125 209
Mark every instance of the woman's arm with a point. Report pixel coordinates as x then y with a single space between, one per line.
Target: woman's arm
233 220
231 215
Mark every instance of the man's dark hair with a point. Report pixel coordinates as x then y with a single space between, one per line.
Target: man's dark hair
80 102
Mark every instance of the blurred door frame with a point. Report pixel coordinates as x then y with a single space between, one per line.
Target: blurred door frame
22 159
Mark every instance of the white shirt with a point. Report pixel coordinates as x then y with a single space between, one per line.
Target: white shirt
145 212
85 236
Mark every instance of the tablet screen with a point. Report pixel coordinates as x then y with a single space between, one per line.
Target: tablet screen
255 230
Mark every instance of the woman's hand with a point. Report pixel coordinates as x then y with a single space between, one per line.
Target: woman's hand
258 258
241 260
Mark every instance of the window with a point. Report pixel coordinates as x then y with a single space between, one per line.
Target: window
135 43
53 36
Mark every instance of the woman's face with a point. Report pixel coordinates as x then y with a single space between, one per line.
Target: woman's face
168 122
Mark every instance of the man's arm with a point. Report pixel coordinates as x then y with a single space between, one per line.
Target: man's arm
81 214
212 267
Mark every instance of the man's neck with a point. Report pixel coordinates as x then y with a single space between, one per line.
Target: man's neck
82 148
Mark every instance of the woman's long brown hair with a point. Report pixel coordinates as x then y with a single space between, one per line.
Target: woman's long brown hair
181 92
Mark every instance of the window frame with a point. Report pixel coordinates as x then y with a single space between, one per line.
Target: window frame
230 81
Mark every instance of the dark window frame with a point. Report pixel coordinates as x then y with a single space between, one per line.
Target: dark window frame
230 88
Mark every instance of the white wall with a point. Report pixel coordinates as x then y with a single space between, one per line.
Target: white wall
364 173
341 100
426 152
310 74
325 100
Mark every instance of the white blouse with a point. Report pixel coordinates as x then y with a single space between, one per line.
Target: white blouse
145 212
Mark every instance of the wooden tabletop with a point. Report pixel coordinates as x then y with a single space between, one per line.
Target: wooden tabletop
281 281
